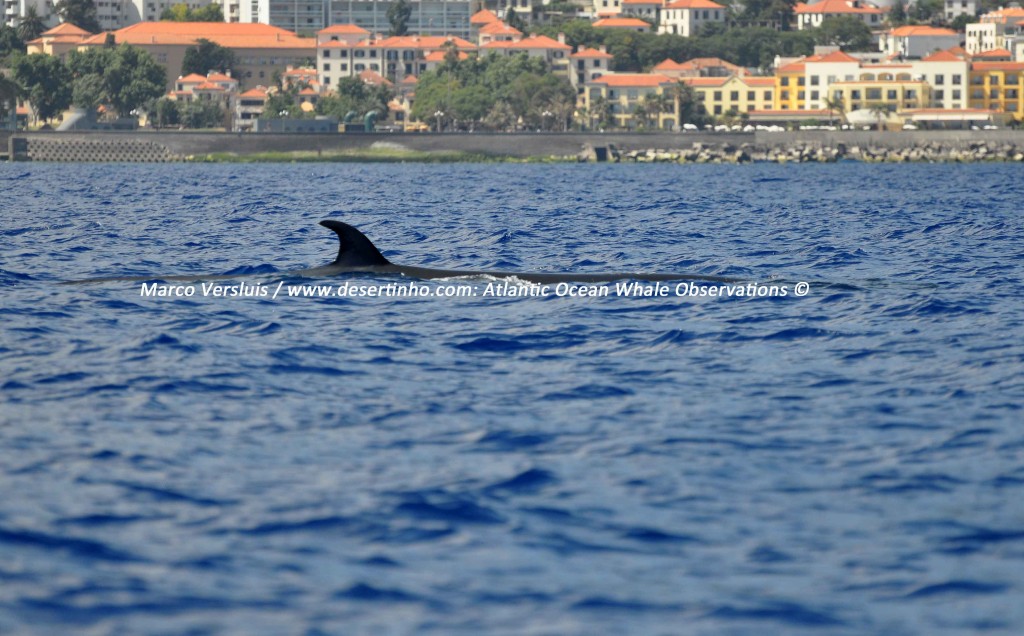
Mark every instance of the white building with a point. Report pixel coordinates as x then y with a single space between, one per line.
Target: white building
956 8
14 10
915 41
686 17
1000 29
810 16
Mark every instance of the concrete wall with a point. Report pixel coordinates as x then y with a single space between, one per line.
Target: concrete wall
164 146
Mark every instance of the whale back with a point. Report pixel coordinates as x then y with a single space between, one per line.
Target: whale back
354 250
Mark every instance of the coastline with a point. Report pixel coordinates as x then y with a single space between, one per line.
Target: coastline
758 147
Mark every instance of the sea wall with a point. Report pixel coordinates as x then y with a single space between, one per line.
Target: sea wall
760 146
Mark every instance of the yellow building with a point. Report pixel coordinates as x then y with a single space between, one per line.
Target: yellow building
790 90
997 86
733 95
884 91
622 93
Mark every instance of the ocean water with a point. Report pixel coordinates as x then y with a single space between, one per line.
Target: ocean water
846 462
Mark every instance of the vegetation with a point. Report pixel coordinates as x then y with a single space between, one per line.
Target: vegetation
10 92
81 13
181 13
494 92
47 83
10 42
356 96
398 16
31 25
850 34
124 77
208 56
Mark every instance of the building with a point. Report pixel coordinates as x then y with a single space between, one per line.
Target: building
686 17
58 41
249 107
554 52
998 87
627 24
734 95
649 10
621 93
428 17
213 87
347 51
811 16
1000 29
699 67
953 9
588 64
915 41
262 50
15 10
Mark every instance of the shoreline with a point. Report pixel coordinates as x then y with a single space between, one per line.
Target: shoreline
790 147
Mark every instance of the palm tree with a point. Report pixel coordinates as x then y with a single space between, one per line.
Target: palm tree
682 98
833 104
600 110
10 91
31 25
881 113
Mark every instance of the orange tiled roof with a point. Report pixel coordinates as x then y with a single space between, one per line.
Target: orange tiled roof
942 56
438 56
483 16
621 23
694 4
208 86
639 80
705 81
835 56
220 77
533 42
584 52
192 78
374 78
836 6
259 92
920 30
233 35
343 29
419 42
499 28
65 29
758 81
997 66
994 53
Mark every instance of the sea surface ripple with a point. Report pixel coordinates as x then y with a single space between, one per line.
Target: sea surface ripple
849 462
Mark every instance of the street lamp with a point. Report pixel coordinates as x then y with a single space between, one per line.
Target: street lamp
438 115
544 118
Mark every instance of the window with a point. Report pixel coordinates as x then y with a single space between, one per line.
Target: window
890 94
734 96
956 94
815 79
751 96
940 79
718 96
784 81
768 96
327 53
957 79
800 81
993 79
814 95
939 95
327 67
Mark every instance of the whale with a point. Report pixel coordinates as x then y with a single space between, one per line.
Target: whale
358 255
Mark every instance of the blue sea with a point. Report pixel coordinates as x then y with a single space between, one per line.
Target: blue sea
850 461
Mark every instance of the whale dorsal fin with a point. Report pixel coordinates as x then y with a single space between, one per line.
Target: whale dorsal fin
355 249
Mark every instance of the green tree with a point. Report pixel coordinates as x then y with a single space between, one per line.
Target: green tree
181 13
200 115
281 104
10 42
88 91
898 13
845 32
353 95
47 82
398 16
31 25
208 56
165 113
130 78
10 92
513 20
81 13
